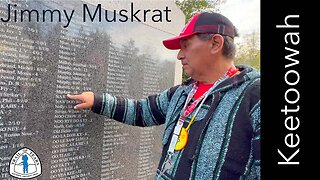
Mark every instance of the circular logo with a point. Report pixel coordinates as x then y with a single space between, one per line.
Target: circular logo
25 164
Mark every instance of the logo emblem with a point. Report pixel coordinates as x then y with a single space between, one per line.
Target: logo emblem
25 164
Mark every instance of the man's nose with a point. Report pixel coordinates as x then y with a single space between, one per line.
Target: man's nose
180 55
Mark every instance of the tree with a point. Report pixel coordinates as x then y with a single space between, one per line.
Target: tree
191 7
248 52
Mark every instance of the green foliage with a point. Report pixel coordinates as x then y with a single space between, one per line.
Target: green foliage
248 51
184 76
191 7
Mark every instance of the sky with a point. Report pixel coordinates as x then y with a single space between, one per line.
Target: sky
245 15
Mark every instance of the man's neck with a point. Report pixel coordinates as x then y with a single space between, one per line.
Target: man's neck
215 74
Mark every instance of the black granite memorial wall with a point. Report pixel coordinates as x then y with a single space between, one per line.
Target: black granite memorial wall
41 62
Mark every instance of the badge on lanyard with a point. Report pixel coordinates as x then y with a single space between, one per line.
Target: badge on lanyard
183 139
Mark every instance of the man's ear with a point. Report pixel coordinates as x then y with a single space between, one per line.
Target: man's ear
217 43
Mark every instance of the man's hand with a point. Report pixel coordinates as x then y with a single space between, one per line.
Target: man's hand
86 100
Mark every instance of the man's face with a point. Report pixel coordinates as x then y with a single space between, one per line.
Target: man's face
194 56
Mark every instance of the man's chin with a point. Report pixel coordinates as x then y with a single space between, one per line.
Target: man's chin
187 73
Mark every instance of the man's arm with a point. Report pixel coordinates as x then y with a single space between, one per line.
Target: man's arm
145 112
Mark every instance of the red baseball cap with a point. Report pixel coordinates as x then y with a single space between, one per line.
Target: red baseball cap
202 23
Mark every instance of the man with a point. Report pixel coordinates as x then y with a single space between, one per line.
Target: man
212 120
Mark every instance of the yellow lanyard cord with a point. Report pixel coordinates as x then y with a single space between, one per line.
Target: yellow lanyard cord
192 119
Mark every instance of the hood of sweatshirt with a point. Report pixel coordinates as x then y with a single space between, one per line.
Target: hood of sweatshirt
246 74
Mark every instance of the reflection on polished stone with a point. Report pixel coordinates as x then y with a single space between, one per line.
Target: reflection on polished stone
42 61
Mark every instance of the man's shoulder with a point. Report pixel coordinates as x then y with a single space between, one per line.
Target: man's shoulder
252 92
180 87
250 72
254 82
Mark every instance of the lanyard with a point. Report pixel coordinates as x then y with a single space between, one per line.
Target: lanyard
187 111
168 163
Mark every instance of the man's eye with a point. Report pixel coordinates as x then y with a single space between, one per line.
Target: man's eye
184 45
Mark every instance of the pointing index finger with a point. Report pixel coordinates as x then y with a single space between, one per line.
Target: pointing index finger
75 97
